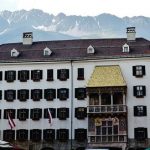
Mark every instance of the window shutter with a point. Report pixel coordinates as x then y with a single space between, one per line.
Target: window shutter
84 92
134 70
27 74
135 90
27 94
58 112
50 75
32 72
32 94
54 93
13 113
14 94
58 93
145 130
45 93
18 112
14 77
53 112
58 73
67 93
135 111
144 111
0 95
67 112
41 74
18 94
31 113
67 72
6 72
76 112
58 132
27 113
144 90
19 74
85 112
143 70
5 95
0 113
1 75
76 92
40 93
40 113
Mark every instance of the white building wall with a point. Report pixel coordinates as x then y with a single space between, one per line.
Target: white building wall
126 67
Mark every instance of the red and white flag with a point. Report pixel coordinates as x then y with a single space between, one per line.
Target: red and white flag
10 121
50 116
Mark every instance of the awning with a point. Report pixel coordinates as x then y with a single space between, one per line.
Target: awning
106 76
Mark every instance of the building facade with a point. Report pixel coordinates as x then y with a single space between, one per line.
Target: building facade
97 91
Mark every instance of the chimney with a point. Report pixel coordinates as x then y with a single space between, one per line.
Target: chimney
131 34
27 38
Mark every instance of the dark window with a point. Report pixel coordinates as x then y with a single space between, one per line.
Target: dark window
23 94
10 95
80 93
140 110
23 75
22 114
35 135
52 110
63 74
1 75
49 94
80 135
138 71
140 133
9 135
80 74
139 91
36 75
22 135
36 94
0 94
80 112
0 113
36 114
63 94
62 113
11 113
10 76
49 135
50 75
62 135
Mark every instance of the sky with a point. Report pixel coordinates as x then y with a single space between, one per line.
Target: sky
119 8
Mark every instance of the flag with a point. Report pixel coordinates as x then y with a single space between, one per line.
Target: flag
49 116
10 121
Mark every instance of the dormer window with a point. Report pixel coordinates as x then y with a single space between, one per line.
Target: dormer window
47 52
125 48
90 50
14 53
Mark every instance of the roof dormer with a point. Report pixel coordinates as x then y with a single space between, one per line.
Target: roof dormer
90 50
47 52
14 53
125 48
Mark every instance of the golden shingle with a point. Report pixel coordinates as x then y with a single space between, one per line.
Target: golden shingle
106 76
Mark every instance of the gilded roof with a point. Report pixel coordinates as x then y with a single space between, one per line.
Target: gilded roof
106 76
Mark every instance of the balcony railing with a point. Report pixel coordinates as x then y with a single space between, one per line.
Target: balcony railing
107 139
107 109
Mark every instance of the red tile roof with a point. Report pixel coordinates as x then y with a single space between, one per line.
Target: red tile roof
75 49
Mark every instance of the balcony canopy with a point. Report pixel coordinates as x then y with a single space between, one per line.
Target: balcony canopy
106 76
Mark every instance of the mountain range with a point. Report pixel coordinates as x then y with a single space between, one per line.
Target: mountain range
62 27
